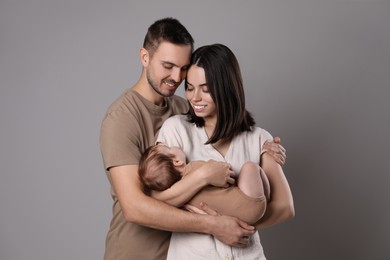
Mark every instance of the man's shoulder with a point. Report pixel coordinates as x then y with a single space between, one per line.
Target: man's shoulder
121 114
122 100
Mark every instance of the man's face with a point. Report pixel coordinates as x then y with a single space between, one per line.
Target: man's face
168 67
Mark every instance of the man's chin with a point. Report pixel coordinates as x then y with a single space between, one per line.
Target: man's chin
168 93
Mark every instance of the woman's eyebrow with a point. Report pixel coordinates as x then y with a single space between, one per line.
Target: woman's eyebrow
201 85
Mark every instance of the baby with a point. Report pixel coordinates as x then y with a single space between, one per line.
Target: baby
161 166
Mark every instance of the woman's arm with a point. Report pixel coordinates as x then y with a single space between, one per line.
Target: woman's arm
211 173
281 206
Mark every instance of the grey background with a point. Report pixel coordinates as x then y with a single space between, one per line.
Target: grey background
316 74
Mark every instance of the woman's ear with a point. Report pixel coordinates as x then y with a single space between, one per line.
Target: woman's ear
144 56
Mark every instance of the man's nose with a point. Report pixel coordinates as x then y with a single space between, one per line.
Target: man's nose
176 75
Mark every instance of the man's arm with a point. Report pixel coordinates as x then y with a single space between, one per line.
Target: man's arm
144 210
276 150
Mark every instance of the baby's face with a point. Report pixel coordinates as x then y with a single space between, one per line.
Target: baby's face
177 154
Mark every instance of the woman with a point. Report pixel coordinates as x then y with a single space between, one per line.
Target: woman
219 127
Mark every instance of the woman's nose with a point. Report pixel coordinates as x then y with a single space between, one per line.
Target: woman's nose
197 95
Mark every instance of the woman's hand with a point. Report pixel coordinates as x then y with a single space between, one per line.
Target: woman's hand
218 174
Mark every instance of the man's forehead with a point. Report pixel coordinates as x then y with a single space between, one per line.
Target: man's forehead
177 54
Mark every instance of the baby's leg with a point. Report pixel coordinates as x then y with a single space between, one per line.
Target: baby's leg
252 181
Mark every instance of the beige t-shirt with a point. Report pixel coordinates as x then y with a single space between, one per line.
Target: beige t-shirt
131 125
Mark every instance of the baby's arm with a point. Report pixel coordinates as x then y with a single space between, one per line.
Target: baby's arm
213 173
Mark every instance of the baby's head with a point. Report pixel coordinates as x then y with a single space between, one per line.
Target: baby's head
160 167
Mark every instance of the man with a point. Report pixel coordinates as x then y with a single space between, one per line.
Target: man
139 226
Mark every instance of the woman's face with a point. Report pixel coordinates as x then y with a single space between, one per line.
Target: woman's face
198 94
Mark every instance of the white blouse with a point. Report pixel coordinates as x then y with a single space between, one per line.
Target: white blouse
177 131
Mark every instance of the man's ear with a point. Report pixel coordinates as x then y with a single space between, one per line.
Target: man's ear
144 56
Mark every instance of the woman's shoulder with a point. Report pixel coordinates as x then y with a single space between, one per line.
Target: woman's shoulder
177 120
261 133
176 124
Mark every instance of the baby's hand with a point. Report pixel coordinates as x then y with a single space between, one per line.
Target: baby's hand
218 174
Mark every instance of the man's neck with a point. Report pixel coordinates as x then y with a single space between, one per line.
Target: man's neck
143 88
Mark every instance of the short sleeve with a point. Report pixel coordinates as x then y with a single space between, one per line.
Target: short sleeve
264 136
118 140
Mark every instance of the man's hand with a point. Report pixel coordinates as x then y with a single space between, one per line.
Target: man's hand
276 150
232 231
229 230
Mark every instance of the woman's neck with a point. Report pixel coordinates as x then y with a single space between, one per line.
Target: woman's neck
209 126
221 146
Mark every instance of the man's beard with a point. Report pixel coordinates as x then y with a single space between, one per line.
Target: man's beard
154 87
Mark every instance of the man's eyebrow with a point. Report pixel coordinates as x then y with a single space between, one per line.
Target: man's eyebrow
169 63
174 65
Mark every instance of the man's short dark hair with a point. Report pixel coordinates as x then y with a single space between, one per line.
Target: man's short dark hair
167 29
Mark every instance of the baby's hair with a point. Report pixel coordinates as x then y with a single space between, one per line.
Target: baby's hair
156 170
